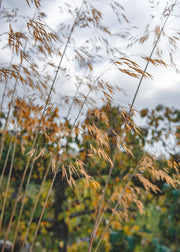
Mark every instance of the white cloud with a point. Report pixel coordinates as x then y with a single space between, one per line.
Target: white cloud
164 88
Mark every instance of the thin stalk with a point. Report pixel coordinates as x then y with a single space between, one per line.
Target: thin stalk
70 108
5 163
44 206
35 205
90 90
129 113
8 183
5 86
117 204
96 225
3 96
63 54
147 64
23 200
7 120
74 97
15 204
19 191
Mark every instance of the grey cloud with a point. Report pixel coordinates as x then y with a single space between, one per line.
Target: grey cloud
167 97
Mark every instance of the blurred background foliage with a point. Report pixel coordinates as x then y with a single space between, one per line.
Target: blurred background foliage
70 213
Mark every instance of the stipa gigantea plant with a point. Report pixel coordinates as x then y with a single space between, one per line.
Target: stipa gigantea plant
92 16
19 72
145 182
130 194
15 44
38 31
76 168
48 48
127 193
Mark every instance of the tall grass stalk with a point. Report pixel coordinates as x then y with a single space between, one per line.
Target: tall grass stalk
8 183
5 163
35 205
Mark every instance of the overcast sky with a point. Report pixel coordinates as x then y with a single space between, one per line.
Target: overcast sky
165 86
